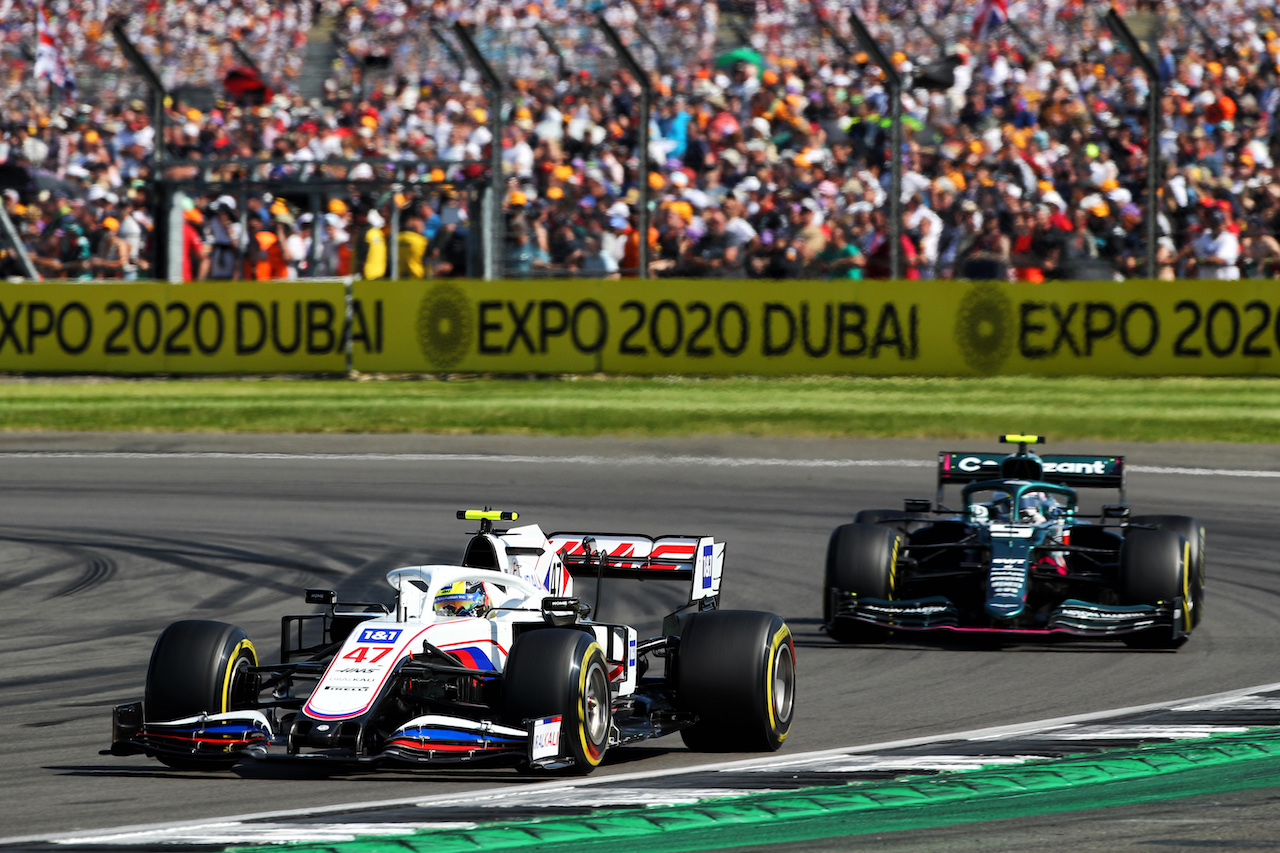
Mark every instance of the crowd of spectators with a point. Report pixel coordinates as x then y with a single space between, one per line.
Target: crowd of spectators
774 164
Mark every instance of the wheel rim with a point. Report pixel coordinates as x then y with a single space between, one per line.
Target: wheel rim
243 683
596 705
784 681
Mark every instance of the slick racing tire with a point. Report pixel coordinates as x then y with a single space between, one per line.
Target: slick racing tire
861 558
561 672
1193 531
907 522
736 670
199 667
1153 568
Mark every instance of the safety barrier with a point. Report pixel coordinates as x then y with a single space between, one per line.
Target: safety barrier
699 327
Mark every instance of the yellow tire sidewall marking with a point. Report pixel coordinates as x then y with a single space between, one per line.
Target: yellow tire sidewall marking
583 670
231 666
1187 603
893 567
781 635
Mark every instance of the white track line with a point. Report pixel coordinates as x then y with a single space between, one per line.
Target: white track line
1201 472
647 460
773 761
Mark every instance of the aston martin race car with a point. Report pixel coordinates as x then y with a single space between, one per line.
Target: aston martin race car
496 659
1017 557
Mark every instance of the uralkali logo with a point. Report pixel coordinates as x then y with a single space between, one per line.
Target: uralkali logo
546 738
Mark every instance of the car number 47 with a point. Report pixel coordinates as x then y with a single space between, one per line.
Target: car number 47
359 653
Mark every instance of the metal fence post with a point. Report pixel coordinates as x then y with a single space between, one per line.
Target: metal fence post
494 244
19 248
448 48
167 263
561 60
893 82
1154 115
393 251
642 169
158 91
348 343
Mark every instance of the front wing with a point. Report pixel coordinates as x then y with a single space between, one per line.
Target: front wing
1071 618
431 739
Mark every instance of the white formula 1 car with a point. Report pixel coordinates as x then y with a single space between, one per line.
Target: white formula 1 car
495 658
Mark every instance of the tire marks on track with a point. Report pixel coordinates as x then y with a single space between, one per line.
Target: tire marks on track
99 570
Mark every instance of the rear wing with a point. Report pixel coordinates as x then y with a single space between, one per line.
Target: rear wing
697 559
1080 472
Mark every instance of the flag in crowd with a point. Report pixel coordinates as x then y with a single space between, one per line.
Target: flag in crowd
991 14
50 62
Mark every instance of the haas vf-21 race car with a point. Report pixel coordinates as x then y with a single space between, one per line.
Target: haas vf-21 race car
496 658
1018 557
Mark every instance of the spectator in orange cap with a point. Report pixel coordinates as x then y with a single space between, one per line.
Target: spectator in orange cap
112 257
265 260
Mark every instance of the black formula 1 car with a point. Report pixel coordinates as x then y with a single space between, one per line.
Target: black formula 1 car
496 659
1018 557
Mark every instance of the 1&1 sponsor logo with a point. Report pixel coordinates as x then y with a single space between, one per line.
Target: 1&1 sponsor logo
379 635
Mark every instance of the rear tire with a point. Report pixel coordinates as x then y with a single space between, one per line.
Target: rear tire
1153 568
561 672
736 671
861 558
199 667
1193 531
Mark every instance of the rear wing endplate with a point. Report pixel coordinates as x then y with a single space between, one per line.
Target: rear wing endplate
696 559
1080 472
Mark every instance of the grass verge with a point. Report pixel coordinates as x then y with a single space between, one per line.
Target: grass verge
1186 409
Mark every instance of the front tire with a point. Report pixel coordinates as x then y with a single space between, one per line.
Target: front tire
199 667
1153 568
862 559
1193 531
562 672
736 671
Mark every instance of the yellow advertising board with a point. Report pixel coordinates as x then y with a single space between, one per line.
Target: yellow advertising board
703 327
204 327
933 328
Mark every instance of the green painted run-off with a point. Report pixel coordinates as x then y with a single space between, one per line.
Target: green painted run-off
1123 777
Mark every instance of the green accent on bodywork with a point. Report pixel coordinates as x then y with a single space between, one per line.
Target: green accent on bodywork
1123 777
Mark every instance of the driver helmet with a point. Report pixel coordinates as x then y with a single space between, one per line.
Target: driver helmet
1035 507
464 598
998 509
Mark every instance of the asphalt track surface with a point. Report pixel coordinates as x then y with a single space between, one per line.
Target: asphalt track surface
101 551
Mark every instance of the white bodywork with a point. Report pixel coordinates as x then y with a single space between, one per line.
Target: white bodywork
530 568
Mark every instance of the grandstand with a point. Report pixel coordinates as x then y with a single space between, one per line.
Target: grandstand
293 130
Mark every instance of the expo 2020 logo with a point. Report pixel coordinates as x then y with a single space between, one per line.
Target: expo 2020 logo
444 326
984 327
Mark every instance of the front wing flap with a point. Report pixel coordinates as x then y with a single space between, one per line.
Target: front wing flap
201 737
1072 617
